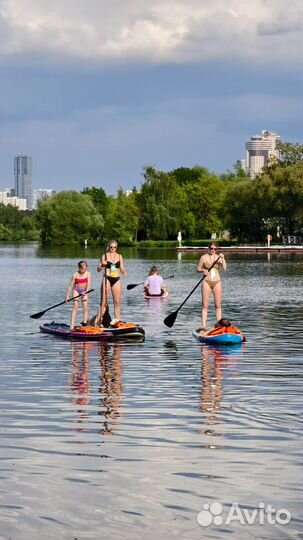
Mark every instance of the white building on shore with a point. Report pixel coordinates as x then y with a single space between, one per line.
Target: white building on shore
259 150
6 198
41 195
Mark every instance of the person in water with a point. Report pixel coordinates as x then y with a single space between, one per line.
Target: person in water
113 263
79 284
154 284
212 281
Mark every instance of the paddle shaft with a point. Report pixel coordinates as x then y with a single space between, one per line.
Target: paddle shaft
215 262
40 313
133 285
170 319
106 318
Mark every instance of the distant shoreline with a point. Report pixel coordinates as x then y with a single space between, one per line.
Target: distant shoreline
245 249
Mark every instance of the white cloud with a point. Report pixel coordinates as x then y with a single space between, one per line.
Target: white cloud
151 30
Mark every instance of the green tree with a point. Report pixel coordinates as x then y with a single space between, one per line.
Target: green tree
242 214
185 175
28 228
256 207
205 200
5 233
163 204
238 174
122 217
280 193
290 154
68 217
98 197
16 224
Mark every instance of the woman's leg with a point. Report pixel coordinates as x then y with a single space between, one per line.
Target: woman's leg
85 308
217 291
116 292
205 291
74 312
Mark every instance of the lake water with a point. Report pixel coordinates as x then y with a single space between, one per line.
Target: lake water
132 441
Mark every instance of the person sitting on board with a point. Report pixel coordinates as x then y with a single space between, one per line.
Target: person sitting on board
223 326
154 285
212 281
79 284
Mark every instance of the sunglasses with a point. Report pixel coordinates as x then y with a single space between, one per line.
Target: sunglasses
113 247
213 249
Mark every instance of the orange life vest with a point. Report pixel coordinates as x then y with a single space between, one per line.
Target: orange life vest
216 331
90 330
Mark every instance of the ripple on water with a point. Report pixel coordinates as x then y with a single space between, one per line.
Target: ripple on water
131 440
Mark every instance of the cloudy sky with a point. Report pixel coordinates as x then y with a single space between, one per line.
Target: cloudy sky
94 90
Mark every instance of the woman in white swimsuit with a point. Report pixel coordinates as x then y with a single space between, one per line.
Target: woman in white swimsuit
212 281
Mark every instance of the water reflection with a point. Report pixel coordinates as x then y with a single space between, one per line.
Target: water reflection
79 381
214 362
111 386
159 456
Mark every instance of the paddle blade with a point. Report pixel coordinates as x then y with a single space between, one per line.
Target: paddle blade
37 315
170 319
106 319
131 286
92 320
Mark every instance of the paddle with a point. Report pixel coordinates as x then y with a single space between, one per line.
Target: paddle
170 319
106 319
41 313
133 285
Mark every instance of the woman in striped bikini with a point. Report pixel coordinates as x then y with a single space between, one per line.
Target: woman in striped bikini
79 284
212 282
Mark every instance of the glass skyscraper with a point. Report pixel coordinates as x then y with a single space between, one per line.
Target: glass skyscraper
23 179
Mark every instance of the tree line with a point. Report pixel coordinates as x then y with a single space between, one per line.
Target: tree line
193 200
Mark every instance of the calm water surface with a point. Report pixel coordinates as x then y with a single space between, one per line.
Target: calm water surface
132 441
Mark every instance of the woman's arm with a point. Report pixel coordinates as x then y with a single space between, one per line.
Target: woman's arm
163 285
89 281
200 267
122 269
70 287
101 264
222 261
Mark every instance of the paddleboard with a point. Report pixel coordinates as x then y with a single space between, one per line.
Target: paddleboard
88 333
153 296
221 339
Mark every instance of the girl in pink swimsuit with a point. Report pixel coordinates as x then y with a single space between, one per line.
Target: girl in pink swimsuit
212 281
79 284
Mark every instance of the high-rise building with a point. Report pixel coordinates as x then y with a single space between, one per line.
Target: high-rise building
23 179
259 150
